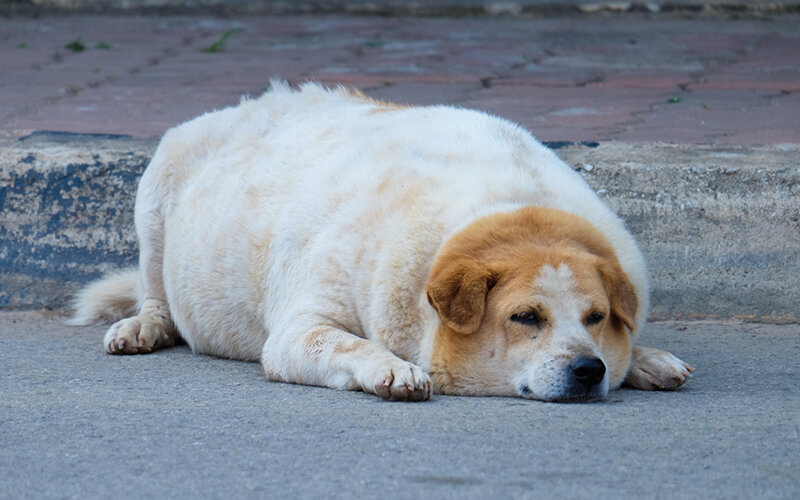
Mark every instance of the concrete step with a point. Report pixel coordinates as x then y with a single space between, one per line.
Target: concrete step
720 225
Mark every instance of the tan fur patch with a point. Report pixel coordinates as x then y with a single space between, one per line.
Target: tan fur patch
380 106
258 249
355 348
314 343
339 199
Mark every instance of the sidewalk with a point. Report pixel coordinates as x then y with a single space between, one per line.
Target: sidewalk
688 125
629 78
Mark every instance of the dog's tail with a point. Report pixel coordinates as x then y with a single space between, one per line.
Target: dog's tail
109 299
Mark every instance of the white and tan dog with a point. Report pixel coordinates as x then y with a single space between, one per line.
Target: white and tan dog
356 244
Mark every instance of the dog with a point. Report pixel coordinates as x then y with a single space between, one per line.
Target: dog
357 244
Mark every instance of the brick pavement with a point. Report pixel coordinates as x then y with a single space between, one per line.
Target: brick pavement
632 78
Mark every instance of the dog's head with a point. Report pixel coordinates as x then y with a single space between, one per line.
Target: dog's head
532 303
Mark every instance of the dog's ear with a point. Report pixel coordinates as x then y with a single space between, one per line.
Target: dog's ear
458 292
620 292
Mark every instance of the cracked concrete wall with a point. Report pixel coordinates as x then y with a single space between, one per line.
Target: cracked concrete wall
720 225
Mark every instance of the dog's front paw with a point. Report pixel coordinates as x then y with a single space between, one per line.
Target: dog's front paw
137 335
402 381
654 369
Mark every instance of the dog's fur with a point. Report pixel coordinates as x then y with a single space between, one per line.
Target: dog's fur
357 244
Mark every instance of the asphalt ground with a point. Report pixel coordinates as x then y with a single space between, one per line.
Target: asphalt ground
78 423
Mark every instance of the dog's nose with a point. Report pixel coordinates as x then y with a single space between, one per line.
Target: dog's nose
588 371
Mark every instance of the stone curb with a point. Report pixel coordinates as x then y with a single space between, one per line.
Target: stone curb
720 225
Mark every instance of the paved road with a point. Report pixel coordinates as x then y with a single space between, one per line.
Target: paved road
76 423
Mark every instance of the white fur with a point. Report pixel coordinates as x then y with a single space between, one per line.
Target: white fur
108 300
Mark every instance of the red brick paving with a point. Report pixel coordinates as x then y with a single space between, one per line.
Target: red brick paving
573 78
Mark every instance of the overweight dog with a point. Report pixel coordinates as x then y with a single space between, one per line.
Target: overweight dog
356 244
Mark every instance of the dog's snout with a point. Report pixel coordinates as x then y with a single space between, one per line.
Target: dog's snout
588 371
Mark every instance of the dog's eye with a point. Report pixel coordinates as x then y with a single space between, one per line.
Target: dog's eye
594 318
529 318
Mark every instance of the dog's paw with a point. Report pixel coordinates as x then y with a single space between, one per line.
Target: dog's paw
654 369
136 335
402 381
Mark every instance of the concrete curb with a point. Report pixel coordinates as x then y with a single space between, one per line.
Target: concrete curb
720 225
67 205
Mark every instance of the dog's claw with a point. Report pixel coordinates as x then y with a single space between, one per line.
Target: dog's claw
139 334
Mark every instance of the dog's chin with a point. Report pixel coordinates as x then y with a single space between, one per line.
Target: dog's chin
592 396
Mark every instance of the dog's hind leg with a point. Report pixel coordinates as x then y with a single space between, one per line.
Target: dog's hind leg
152 328
327 356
